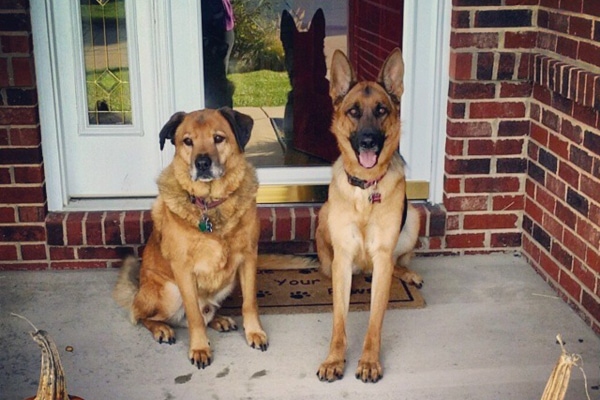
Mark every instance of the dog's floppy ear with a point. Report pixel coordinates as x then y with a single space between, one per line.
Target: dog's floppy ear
168 131
391 76
241 125
342 76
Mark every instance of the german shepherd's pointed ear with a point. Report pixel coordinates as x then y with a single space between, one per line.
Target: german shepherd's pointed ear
241 125
168 131
342 76
391 76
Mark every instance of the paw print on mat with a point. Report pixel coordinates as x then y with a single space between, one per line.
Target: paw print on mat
263 293
299 295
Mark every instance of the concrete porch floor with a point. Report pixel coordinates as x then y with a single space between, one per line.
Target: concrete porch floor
487 332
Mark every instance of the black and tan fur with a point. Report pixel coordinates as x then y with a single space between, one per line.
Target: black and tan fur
357 231
186 273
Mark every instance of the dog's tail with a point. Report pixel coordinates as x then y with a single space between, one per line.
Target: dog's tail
128 283
285 261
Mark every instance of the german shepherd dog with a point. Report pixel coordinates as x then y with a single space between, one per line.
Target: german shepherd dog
205 234
367 223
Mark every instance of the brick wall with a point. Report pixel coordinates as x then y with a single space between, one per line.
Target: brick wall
562 204
523 148
22 193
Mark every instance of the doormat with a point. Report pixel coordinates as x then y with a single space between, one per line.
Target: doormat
309 291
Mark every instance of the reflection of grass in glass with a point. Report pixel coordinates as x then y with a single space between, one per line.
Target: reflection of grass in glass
260 88
118 100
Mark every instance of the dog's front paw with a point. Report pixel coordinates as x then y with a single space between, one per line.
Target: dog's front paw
257 340
201 358
331 370
369 371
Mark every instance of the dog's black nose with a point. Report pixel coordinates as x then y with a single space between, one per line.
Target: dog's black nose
367 141
202 162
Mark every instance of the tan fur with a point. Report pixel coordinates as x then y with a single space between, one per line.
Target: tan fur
354 234
184 269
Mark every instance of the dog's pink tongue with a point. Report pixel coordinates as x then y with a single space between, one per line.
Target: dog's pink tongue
367 159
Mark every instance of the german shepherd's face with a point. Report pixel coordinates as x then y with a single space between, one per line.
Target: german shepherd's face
366 120
208 140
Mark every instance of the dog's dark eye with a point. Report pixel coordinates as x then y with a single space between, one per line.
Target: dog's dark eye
219 139
187 141
380 110
354 112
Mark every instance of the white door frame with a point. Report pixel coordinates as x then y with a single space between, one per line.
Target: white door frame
426 53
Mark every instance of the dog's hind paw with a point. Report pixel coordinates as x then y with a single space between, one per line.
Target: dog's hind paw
257 340
223 324
409 276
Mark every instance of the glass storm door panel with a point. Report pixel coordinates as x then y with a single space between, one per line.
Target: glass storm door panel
108 110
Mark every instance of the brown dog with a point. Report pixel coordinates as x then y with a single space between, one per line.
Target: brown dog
205 233
367 224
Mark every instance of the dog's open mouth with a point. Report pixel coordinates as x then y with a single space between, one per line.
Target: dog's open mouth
367 158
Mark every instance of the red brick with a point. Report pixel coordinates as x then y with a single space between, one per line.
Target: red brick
545 199
471 90
23 74
7 215
22 195
505 240
592 304
556 186
93 228
18 116
22 233
533 210
512 90
33 252
508 202
132 223
32 213
569 174
497 110
539 134
99 253
62 253
490 221
4 75
460 65
469 129
454 147
492 185
452 185
283 224
466 203
25 136
15 44
29 174
589 53
112 228
304 223
552 226
479 40
465 240
571 132
8 252
589 232
550 266
520 39
74 228
570 285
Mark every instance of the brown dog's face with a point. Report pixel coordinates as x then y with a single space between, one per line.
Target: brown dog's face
207 140
366 114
